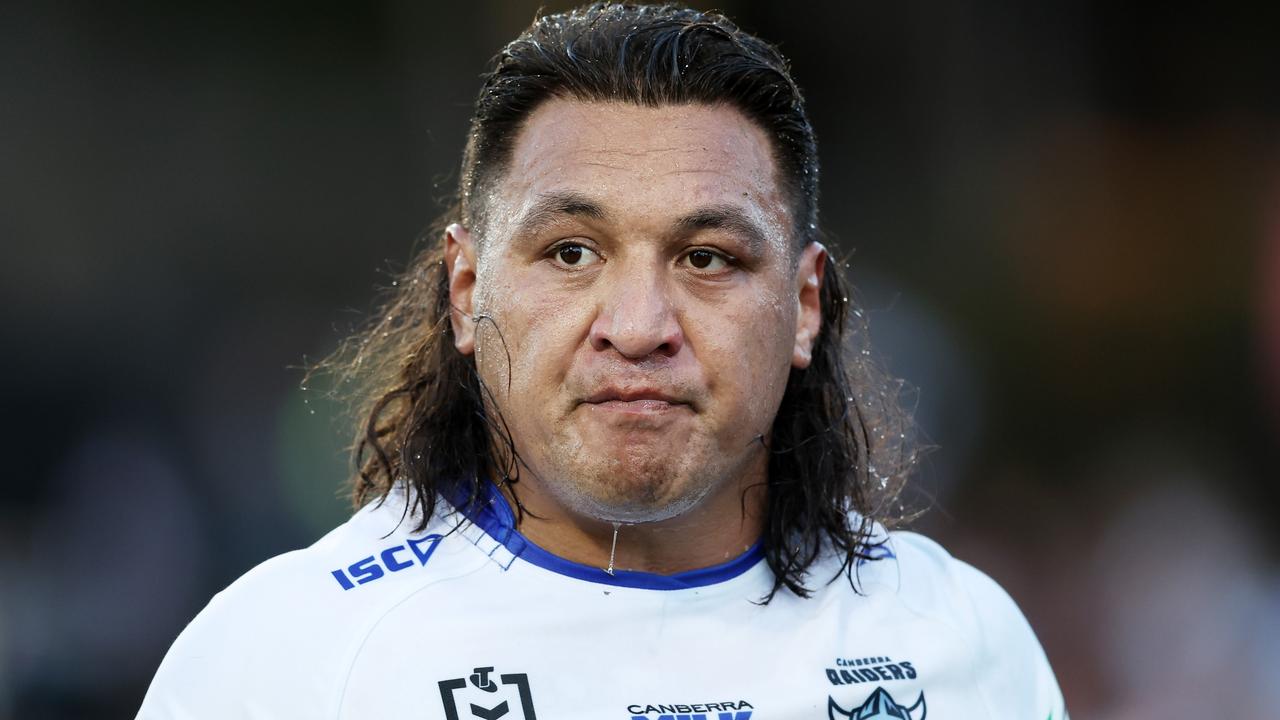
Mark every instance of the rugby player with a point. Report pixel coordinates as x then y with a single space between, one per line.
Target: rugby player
617 458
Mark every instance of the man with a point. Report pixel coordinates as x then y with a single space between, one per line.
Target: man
615 462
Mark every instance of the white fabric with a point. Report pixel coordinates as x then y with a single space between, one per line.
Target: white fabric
467 620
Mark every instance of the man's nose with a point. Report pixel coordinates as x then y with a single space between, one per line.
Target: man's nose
637 318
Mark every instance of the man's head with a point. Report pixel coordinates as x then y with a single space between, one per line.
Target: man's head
631 308
642 301
643 140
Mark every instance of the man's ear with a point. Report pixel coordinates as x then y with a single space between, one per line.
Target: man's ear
809 273
460 264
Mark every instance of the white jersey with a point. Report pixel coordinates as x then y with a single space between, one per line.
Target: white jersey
377 621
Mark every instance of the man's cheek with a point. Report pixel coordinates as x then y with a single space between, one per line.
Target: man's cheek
555 324
767 368
541 356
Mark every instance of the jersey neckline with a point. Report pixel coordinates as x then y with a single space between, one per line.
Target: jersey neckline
492 513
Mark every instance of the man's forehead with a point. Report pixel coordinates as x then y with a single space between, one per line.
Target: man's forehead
684 135
669 159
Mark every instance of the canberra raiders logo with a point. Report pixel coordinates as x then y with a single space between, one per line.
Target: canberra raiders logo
880 706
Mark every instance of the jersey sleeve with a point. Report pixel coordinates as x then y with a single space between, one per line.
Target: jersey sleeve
1016 678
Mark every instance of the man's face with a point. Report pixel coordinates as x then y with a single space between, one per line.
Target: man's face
635 305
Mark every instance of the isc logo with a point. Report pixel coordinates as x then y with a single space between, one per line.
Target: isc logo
393 559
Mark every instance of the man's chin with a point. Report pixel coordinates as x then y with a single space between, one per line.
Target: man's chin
644 446
631 495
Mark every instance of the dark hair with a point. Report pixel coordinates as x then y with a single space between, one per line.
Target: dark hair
840 441
647 55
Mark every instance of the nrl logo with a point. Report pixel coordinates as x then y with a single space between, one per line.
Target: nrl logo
880 706
485 698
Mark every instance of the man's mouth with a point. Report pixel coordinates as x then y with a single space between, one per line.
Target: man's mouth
637 400
634 394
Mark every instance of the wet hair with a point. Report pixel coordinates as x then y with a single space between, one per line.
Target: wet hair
840 448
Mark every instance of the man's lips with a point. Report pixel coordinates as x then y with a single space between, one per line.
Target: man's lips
634 399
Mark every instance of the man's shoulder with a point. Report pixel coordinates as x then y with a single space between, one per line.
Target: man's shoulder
380 550
967 604
308 608
935 583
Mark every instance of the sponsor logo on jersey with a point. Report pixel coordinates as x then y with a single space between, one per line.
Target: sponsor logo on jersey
413 551
731 710
880 706
854 671
488 695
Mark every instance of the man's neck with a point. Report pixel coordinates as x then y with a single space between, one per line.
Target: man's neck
719 528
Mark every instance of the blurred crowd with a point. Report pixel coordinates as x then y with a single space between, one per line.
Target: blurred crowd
1063 221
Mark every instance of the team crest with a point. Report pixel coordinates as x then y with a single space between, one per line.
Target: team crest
880 706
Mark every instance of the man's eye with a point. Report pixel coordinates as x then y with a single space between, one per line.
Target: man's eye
575 255
706 260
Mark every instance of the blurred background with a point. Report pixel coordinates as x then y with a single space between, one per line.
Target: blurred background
1062 217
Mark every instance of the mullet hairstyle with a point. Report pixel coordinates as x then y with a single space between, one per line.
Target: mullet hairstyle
841 444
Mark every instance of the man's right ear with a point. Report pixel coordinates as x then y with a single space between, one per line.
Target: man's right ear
460 264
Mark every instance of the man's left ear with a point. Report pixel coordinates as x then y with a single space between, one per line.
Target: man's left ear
809 274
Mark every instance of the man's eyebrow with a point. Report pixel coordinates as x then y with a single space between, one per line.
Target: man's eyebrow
550 206
725 217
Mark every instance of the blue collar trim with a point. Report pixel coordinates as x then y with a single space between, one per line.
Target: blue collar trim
492 514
